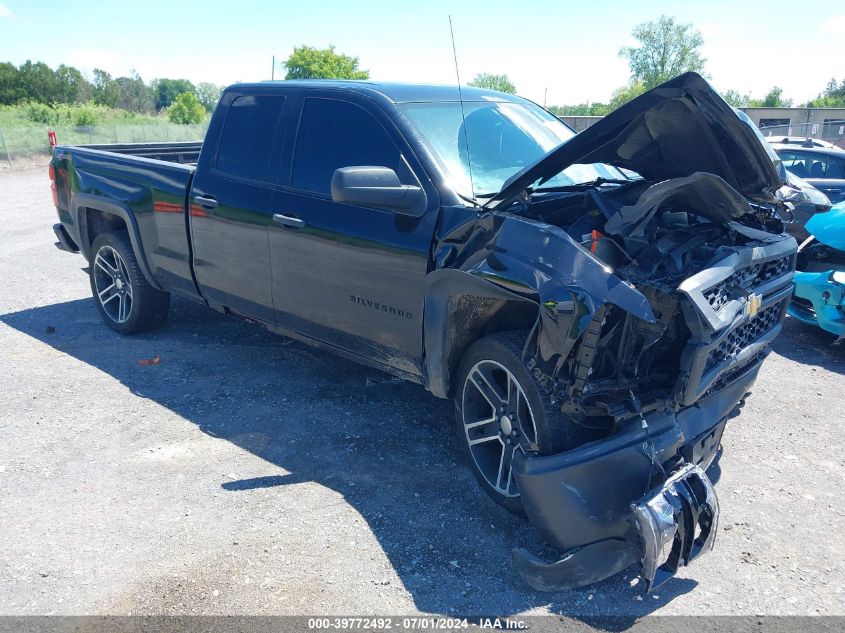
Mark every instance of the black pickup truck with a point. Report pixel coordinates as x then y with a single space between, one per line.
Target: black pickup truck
595 305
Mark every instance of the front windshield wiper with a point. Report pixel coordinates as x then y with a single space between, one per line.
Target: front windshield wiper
598 182
472 201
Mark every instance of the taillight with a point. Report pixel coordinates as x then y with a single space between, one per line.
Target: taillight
53 190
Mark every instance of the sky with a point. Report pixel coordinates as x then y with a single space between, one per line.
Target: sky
557 52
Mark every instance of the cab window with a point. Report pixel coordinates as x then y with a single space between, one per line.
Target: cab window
334 134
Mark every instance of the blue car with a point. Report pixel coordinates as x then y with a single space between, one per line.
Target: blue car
819 296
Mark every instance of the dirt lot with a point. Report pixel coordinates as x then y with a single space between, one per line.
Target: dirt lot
250 474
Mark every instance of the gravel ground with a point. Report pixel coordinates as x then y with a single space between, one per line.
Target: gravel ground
250 474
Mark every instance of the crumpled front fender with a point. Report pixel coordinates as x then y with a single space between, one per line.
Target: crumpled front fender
498 259
543 258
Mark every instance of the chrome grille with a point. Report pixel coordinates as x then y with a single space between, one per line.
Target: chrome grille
717 296
745 278
727 343
745 335
776 268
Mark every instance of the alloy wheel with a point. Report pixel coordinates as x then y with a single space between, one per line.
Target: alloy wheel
497 422
113 284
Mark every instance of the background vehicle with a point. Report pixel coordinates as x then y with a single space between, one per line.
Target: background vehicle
819 297
594 332
824 168
807 201
799 140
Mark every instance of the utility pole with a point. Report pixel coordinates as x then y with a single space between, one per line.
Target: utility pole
273 71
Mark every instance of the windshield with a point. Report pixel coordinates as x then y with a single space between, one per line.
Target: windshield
501 140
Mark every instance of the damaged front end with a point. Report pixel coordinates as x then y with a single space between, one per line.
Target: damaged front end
656 299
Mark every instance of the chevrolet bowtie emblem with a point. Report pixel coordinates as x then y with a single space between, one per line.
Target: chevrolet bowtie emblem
754 301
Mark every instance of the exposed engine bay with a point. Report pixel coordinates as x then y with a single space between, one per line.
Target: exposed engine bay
654 236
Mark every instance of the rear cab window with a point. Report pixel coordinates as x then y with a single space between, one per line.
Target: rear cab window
245 149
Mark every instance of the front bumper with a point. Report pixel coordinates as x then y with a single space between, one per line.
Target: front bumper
676 524
584 501
672 526
819 300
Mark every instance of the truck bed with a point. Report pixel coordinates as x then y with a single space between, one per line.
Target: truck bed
147 185
184 153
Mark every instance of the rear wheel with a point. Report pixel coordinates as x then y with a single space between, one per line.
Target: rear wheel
125 301
501 411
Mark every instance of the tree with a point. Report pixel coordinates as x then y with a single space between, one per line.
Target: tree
627 93
106 91
735 99
11 89
135 95
165 91
773 99
667 49
71 86
494 82
832 97
209 94
312 63
186 108
39 82
581 109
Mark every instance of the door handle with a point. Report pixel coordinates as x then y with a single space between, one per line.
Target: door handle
206 201
288 220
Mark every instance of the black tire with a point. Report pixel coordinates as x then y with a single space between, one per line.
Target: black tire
551 431
130 305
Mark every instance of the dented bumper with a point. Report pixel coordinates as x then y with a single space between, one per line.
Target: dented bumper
676 524
606 505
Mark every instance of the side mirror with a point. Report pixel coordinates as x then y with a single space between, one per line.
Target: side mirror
377 187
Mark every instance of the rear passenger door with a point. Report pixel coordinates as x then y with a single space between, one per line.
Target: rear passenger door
350 276
230 204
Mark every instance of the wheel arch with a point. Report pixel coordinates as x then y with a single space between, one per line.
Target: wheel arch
460 308
95 215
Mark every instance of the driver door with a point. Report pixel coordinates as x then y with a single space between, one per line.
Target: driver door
350 276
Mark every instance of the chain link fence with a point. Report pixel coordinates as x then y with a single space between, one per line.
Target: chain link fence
22 147
832 131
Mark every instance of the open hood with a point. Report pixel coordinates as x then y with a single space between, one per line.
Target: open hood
676 129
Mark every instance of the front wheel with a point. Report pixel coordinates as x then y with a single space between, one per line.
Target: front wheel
125 301
501 411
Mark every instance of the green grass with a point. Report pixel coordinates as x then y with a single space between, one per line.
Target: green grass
39 114
24 128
